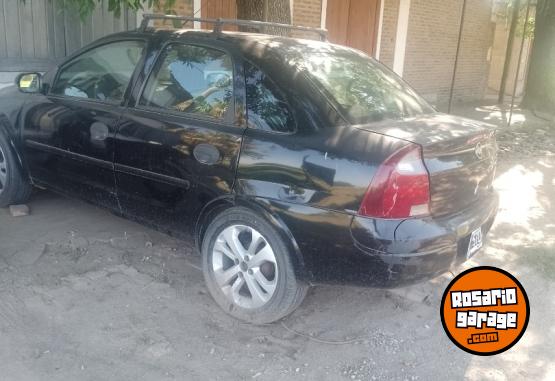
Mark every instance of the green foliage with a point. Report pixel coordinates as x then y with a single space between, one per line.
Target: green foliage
526 30
504 9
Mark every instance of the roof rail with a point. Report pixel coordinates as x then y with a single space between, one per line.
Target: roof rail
261 26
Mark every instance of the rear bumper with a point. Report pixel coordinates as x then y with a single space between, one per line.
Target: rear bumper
420 249
339 248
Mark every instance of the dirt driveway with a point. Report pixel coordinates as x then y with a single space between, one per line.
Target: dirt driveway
85 295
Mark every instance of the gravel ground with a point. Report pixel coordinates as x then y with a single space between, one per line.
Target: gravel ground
86 295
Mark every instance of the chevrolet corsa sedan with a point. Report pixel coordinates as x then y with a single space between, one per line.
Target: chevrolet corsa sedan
289 162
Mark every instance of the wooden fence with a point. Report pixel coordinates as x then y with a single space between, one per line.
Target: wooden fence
34 34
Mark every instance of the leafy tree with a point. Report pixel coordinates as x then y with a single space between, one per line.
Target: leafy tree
504 9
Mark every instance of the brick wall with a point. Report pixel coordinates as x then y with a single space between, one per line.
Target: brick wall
389 31
477 39
431 44
431 47
306 13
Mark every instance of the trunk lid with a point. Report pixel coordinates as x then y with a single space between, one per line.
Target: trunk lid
460 155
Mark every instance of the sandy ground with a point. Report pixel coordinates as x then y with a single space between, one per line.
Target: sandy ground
86 295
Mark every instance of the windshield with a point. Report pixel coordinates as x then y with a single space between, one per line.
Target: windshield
364 90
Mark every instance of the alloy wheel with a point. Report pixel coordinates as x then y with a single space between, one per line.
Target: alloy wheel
244 266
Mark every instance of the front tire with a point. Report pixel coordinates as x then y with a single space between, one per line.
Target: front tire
14 187
248 269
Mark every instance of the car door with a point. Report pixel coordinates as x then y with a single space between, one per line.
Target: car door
177 147
69 133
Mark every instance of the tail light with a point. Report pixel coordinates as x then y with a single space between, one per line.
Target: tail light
400 188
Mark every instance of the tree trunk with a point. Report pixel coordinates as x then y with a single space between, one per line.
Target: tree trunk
250 10
540 88
278 11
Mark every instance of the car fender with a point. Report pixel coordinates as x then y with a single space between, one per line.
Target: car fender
259 206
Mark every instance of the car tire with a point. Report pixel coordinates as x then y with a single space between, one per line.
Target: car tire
251 282
14 187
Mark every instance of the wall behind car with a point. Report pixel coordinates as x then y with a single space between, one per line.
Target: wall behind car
418 38
433 33
35 34
425 55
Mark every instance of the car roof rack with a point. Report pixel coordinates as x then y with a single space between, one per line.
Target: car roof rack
219 23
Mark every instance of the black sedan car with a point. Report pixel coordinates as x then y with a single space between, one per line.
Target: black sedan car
290 162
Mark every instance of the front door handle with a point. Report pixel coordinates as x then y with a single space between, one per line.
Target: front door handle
206 154
99 132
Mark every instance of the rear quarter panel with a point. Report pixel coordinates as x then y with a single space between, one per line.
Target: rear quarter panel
330 168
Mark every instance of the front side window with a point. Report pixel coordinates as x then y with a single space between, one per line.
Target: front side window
191 79
266 105
102 73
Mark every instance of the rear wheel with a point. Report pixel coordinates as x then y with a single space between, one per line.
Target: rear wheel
247 268
14 187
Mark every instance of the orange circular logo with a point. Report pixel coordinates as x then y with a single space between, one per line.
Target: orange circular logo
485 310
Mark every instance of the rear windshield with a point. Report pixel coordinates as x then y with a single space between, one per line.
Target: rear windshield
363 89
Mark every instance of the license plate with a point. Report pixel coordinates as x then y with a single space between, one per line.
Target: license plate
475 243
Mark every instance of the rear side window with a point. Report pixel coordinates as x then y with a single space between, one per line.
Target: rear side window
191 79
267 108
101 73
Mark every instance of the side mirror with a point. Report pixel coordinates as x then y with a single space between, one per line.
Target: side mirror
29 82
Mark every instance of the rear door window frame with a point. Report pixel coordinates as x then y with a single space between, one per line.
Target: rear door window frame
286 101
228 120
